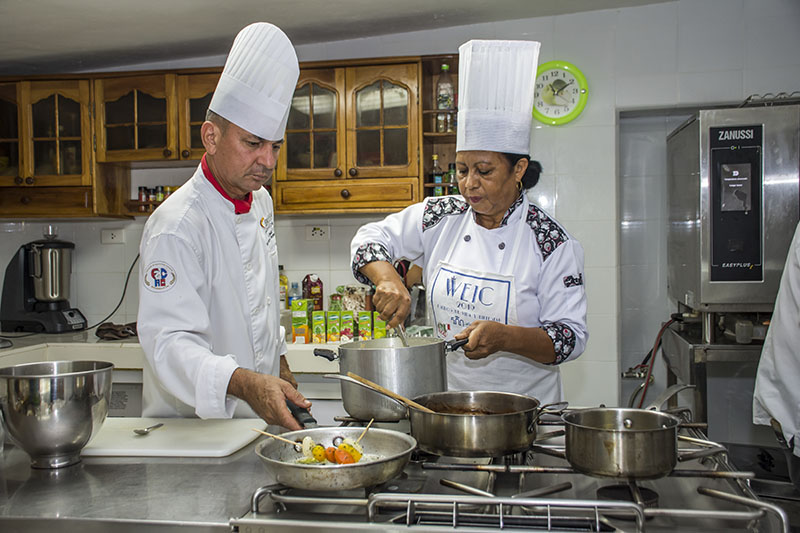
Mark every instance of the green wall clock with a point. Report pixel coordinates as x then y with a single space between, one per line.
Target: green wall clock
560 94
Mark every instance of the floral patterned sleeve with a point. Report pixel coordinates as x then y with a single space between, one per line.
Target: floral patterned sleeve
365 254
563 340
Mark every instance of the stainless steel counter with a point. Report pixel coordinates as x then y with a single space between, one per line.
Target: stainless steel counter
128 494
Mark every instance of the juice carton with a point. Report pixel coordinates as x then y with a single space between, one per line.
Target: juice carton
347 327
318 334
378 326
333 325
301 321
365 325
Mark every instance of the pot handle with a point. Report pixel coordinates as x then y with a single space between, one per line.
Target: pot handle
550 408
655 405
452 346
711 448
330 355
341 377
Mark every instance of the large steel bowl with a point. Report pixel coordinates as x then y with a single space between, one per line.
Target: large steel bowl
53 409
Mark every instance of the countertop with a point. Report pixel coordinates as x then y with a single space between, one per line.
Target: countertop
128 494
127 354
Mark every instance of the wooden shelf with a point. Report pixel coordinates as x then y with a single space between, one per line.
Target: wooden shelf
432 185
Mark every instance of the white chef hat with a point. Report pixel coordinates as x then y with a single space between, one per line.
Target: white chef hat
258 81
496 81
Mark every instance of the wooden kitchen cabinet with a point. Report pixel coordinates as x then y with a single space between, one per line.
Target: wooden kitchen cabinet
136 118
434 142
194 96
152 118
352 140
45 134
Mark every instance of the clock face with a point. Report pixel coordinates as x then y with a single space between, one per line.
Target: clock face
560 93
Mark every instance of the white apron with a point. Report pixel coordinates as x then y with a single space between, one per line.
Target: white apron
460 295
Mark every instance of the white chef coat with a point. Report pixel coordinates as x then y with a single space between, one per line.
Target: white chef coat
777 391
547 274
208 301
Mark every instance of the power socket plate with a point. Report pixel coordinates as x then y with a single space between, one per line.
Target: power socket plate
112 236
318 233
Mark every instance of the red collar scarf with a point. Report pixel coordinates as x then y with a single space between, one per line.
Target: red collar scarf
239 206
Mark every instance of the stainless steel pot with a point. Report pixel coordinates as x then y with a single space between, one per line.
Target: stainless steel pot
621 443
420 368
472 423
386 454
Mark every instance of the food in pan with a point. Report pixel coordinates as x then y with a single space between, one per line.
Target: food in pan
347 452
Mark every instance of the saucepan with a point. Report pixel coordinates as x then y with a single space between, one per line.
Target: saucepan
386 453
471 423
419 368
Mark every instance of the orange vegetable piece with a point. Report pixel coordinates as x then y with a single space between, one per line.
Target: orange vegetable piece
343 458
330 454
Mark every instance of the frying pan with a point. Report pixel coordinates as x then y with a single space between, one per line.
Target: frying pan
386 454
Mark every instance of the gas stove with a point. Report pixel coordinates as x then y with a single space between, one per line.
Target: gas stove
536 490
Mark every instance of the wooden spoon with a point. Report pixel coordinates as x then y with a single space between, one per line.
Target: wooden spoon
392 394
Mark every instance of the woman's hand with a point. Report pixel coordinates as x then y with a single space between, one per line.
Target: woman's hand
391 298
485 338
392 301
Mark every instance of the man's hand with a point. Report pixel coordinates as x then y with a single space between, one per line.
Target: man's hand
267 396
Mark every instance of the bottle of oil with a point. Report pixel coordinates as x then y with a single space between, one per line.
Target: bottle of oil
283 283
436 176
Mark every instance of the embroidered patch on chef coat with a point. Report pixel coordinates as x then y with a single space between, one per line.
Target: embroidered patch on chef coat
268 225
573 281
159 277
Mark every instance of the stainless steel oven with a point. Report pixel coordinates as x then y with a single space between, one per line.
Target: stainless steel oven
734 201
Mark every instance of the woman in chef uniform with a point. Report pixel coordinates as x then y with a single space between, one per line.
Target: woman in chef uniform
498 269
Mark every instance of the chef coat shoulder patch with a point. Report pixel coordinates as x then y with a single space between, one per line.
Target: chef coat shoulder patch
438 208
159 277
549 235
573 281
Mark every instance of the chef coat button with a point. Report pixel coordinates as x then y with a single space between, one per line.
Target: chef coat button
239 220
248 266
467 238
269 300
502 245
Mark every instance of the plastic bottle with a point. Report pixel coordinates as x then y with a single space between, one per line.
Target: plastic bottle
444 100
436 175
283 283
294 294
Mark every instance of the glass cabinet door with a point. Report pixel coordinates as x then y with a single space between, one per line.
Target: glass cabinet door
315 143
194 96
136 118
58 141
10 172
382 121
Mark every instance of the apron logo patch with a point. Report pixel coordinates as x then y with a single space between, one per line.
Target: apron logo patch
159 277
573 281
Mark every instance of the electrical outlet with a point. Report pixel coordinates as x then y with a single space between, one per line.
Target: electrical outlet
112 236
318 233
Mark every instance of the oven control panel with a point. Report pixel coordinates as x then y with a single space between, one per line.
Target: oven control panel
736 208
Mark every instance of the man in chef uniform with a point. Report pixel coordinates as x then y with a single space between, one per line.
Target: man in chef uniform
209 318
498 270
776 399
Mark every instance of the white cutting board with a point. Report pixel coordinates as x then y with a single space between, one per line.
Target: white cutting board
178 437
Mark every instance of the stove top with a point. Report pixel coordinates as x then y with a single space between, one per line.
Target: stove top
532 491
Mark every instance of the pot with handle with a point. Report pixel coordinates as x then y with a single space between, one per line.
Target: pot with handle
626 443
419 368
471 423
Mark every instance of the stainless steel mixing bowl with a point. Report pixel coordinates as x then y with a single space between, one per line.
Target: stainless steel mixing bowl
53 409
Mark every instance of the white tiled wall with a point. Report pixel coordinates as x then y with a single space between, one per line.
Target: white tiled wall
687 52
